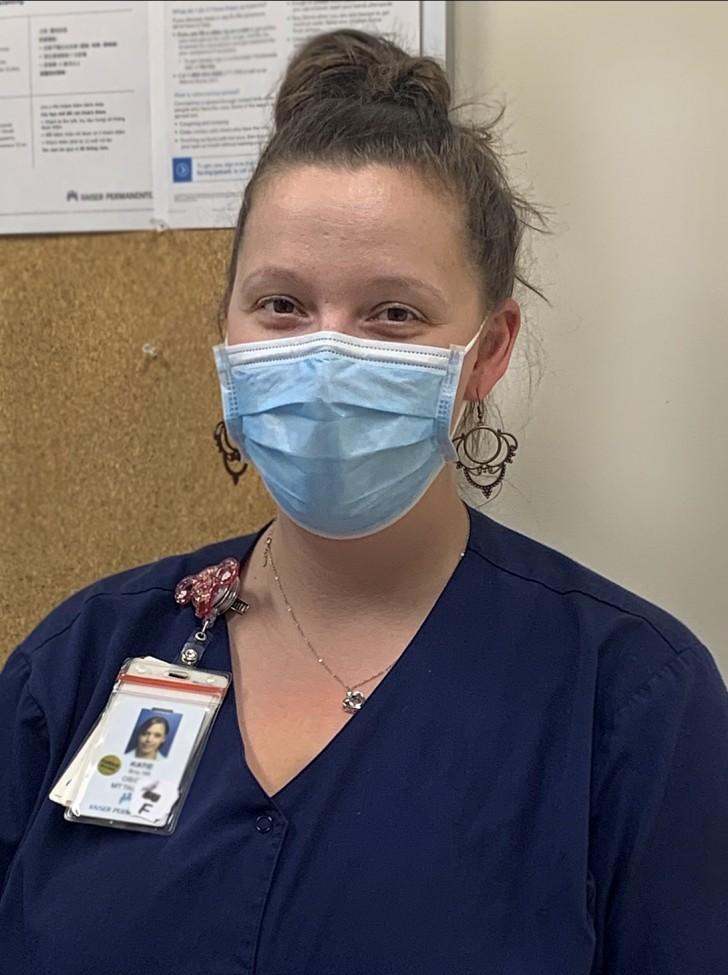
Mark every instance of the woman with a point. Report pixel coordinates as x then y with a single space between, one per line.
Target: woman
448 749
150 737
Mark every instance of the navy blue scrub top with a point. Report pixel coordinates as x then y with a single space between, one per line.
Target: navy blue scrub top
538 787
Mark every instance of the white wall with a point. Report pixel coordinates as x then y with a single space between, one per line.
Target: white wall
621 110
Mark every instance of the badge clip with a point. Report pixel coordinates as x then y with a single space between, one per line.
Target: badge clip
213 592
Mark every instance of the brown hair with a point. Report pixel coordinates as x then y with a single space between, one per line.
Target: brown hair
350 99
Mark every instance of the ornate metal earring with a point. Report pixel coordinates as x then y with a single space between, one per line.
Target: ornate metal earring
230 454
483 453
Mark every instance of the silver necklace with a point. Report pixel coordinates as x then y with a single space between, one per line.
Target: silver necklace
353 699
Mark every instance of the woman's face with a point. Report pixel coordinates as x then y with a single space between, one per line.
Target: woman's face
151 739
375 253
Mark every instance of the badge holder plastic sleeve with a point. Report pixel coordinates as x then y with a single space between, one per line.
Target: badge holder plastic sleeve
105 785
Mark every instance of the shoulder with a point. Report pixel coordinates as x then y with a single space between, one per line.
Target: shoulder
531 568
80 644
615 640
133 589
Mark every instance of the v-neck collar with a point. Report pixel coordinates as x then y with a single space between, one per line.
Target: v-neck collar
392 692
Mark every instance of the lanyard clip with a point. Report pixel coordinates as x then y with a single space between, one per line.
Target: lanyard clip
194 646
212 592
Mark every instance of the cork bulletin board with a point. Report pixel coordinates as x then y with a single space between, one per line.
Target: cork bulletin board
108 457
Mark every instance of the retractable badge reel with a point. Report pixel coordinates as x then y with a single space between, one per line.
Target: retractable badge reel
135 768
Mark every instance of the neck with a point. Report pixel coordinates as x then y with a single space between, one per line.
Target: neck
395 569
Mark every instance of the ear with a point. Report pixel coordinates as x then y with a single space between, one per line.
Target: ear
494 351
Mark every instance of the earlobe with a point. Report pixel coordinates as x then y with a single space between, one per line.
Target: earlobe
495 350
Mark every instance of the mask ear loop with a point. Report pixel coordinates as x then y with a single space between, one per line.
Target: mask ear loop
465 349
446 406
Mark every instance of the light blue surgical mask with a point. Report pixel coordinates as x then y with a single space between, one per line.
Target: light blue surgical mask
347 433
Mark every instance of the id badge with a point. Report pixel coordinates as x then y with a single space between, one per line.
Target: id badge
136 766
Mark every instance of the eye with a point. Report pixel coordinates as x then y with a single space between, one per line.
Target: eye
398 315
279 306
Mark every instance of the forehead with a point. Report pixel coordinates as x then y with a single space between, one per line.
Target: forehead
367 219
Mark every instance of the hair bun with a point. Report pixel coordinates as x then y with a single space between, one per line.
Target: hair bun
352 65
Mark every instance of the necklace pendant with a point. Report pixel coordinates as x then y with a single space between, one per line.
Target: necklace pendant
353 701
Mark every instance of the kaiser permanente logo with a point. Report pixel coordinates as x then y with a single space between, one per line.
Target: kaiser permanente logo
73 196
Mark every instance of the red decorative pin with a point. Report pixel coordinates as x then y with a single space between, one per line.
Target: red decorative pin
212 591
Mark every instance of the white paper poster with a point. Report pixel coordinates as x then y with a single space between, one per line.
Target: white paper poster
75 138
133 115
222 62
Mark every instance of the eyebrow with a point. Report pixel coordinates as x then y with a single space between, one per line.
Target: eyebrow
405 281
263 275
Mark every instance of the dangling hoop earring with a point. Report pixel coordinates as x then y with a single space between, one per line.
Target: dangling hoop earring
230 454
499 448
